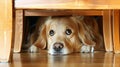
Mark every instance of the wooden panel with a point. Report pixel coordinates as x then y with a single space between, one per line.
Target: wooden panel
61 4
5 29
18 30
116 32
107 32
62 12
67 4
114 4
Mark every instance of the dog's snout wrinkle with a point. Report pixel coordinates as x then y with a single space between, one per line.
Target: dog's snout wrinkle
58 47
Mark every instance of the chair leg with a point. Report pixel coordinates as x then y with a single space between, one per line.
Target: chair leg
116 31
5 30
18 30
107 30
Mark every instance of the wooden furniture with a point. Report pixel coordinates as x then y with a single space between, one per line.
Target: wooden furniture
67 7
116 30
22 5
86 7
5 29
67 4
21 13
104 8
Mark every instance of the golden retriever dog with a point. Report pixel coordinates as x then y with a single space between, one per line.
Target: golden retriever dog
66 34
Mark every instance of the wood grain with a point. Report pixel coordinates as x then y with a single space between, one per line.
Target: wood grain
67 4
97 59
5 29
116 31
107 30
63 12
18 30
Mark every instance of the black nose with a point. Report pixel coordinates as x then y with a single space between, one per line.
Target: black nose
58 47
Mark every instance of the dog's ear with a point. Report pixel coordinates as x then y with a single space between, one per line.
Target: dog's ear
41 39
38 38
83 32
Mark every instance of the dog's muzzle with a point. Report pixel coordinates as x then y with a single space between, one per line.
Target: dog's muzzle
58 47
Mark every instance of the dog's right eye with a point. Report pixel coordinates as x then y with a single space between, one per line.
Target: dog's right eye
51 33
68 31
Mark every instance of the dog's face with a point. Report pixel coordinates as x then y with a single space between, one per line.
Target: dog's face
64 35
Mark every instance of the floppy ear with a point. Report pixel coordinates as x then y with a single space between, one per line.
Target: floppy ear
41 40
38 38
83 32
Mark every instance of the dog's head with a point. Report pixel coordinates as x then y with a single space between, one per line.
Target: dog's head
61 35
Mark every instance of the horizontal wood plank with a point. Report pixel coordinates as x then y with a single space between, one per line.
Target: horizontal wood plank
67 4
63 12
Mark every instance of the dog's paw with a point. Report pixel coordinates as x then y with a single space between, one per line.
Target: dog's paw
87 48
33 49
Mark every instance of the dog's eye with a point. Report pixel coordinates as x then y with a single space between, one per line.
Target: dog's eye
51 33
68 31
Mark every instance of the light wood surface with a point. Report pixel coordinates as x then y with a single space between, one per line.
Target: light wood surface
18 30
67 4
5 29
96 59
107 30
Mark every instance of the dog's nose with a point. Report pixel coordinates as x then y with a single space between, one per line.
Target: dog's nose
58 46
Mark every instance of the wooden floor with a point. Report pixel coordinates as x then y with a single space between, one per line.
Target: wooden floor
96 59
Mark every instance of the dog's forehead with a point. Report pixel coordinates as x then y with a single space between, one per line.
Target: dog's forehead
62 22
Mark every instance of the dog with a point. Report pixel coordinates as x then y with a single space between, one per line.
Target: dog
62 35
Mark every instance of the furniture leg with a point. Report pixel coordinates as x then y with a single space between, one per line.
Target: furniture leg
18 30
116 31
5 30
107 30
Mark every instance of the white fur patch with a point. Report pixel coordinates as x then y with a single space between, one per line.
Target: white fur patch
33 49
87 48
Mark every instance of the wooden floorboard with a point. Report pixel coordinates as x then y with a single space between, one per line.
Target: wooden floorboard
96 59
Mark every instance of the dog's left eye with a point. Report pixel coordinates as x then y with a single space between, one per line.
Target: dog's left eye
51 33
68 31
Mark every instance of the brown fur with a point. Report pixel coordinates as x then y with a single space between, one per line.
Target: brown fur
84 32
